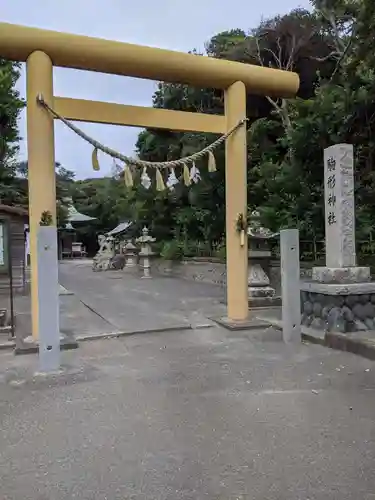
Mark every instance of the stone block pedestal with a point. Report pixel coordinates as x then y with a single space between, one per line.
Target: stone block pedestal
260 293
338 307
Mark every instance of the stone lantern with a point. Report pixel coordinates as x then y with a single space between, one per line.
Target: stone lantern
145 240
260 293
130 254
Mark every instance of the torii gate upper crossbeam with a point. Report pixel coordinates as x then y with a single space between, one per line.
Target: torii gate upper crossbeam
95 54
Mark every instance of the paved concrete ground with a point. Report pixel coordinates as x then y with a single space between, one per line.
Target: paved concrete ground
75 317
197 414
129 303
119 301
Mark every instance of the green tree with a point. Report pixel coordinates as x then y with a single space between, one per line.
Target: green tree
291 42
64 188
11 105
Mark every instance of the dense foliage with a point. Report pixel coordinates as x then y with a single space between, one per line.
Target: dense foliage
10 106
331 48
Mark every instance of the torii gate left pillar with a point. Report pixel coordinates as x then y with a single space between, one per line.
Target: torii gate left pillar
41 160
42 201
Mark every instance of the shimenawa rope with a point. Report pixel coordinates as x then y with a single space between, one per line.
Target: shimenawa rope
182 162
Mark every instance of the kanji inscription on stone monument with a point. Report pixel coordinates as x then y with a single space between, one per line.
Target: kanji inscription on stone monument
339 206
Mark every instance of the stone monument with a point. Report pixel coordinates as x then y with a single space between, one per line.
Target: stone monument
146 252
340 297
260 293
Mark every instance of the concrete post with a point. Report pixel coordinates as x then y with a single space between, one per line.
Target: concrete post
290 285
236 203
48 297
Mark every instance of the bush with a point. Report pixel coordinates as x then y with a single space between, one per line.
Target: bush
171 250
221 252
195 248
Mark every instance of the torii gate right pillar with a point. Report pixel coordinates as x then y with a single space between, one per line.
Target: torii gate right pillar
236 203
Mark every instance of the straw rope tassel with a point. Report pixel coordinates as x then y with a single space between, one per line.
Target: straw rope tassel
186 174
94 159
128 178
160 186
211 162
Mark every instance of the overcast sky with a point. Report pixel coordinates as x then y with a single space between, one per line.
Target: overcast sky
169 24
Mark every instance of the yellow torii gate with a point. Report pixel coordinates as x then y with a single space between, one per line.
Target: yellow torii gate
43 49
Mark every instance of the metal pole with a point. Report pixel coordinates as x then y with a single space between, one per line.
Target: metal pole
10 270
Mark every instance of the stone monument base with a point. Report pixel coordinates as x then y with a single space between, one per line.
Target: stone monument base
338 307
341 274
